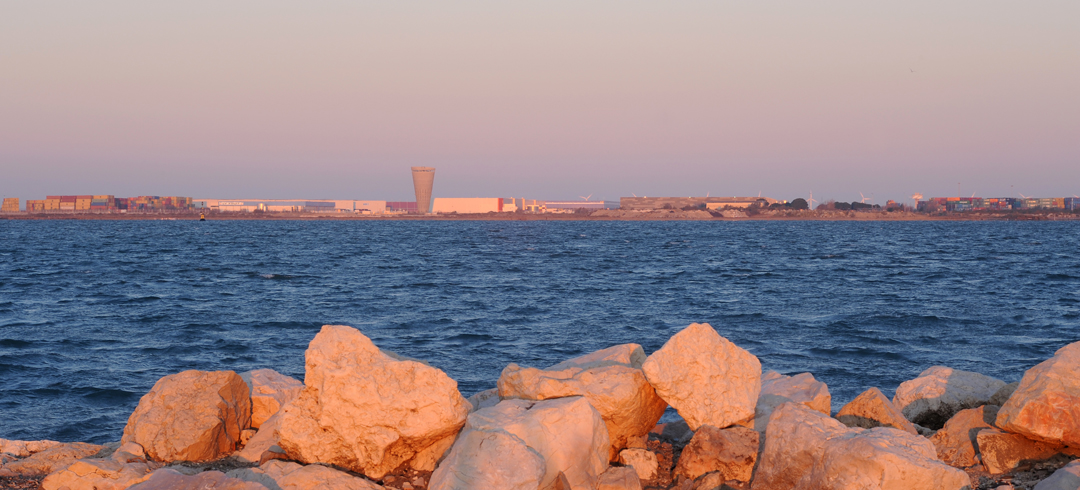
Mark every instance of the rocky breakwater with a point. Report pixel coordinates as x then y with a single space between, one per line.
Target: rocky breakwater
368 419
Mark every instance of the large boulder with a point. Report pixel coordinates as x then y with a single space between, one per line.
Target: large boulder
1003 452
270 390
800 388
732 452
287 475
49 460
873 409
191 416
521 444
956 443
804 449
1065 478
366 410
1046 404
705 377
169 479
939 392
618 390
886 459
794 443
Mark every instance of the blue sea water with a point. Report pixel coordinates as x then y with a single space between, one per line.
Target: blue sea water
92 313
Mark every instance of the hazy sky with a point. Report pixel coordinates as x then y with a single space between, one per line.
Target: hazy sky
546 100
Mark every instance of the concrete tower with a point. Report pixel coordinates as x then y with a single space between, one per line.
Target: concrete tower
423 178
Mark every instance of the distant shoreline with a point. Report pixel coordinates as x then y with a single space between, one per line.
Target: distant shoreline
626 216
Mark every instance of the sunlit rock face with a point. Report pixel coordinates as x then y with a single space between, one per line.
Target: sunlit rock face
367 410
705 377
1046 404
191 416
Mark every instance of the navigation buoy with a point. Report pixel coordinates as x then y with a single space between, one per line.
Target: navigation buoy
202 217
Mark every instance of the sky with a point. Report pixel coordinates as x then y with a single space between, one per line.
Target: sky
543 100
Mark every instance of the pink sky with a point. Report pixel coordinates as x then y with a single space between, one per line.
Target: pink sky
550 100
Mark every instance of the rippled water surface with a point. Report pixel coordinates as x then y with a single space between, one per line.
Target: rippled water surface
92 313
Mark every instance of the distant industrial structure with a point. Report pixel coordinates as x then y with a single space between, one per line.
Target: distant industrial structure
961 204
290 206
653 203
108 204
423 179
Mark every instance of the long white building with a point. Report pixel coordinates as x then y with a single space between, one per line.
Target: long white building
292 205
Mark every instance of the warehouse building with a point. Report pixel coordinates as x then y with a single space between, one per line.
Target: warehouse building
290 206
468 205
573 205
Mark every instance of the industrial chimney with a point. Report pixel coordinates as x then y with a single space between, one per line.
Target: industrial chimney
423 178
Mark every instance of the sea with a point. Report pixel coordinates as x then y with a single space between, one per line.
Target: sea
93 313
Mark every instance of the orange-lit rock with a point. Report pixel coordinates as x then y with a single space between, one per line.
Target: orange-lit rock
794 443
270 390
732 452
708 379
643 461
524 444
263 440
99 474
367 410
168 479
484 399
800 388
191 416
887 459
1046 404
939 392
1003 452
619 391
956 443
873 409
804 449
619 478
22 449
49 460
291 476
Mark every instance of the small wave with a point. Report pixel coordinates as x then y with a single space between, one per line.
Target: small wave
1061 277
15 344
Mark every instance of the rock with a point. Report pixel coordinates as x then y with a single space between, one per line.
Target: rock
99 474
619 478
22 449
292 476
523 444
710 481
261 442
484 399
366 410
270 390
1003 452
624 355
1066 478
732 452
620 392
191 416
886 459
805 449
794 442
642 460
169 479
1046 404
53 458
873 409
939 392
705 377
801 388
1001 396
955 443
128 453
